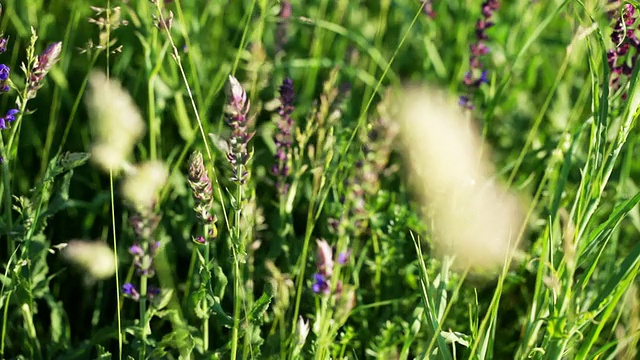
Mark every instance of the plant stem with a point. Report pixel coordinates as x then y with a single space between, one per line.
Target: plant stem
143 315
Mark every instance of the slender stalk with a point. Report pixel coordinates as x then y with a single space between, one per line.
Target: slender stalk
143 314
237 298
205 325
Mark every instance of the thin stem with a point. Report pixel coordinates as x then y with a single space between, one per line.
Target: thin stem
143 314
237 298
205 325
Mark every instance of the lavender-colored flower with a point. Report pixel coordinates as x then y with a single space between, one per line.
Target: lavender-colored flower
200 240
136 250
321 284
624 37
343 257
477 75
3 44
201 189
427 8
284 136
41 67
238 109
130 291
4 78
8 117
325 258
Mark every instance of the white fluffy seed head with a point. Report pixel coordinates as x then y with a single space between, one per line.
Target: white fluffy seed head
141 186
94 258
116 123
474 218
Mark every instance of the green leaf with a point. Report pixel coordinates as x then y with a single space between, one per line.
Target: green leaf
256 315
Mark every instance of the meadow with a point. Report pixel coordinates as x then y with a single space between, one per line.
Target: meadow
266 179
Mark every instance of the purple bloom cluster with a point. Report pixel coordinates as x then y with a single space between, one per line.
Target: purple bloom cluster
3 44
143 251
4 78
477 75
624 37
8 117
202 191
131 292
284 136
238 120
325 265
41 68
143 259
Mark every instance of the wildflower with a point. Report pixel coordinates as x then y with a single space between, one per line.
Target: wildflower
624 37
237 110
343 257
8 117
325 257
302 330
116 123
321 284
427 8
284 136
130 291
141 186
477 75
4 78
3 44
41 68
94 258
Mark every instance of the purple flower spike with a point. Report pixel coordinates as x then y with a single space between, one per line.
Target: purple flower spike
284 136
41 67
624 56
477 75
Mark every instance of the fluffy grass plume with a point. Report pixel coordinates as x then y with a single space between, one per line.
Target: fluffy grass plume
473 217
115 121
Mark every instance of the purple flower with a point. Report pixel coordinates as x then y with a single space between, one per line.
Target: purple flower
41 67
4 78
427 8
8 117
237 118
343 257
200 240
284 136
477 75
136 250
321 285
621 59
152 292
3 44
130 291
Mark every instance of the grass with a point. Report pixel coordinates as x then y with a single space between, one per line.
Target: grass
231 226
